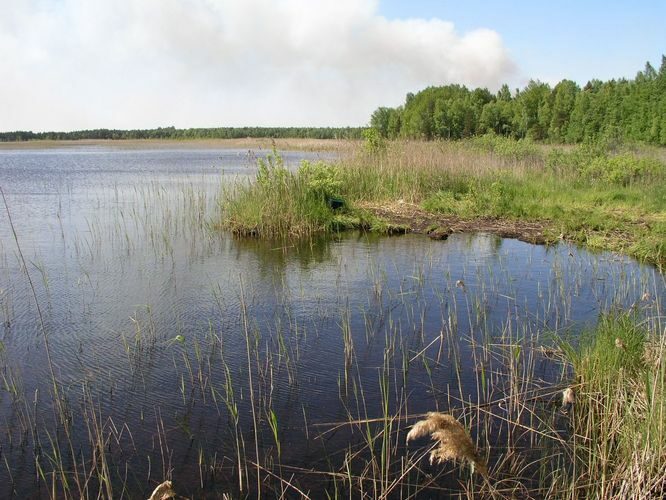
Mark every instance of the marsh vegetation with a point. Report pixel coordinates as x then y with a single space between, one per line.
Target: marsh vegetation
296 367
605 196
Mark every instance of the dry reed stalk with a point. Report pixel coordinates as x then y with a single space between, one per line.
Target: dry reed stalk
447 156
653 352
454 442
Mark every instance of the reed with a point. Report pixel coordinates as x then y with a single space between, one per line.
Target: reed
605 199
619 414
426 333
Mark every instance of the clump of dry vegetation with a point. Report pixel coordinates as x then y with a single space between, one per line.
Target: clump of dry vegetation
453 442
163 491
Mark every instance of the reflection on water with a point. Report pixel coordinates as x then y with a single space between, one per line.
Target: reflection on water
154 317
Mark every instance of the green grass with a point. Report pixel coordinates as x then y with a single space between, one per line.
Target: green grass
628 219
281 202
286 203
600 195
619 419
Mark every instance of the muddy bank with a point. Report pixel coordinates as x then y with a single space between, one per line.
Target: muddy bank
438 225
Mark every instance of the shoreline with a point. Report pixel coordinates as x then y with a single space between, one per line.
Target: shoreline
129 144
537 232
438 226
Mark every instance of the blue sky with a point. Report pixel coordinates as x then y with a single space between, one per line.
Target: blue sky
75 64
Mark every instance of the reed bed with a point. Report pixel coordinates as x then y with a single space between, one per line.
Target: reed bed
603 196
593 429
539 413
587 194
619 417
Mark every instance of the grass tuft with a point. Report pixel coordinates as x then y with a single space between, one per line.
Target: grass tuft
619 421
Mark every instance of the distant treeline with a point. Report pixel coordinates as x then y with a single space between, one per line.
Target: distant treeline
191 133
633 110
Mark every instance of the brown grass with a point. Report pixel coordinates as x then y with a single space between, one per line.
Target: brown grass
164 491
335 145
453 441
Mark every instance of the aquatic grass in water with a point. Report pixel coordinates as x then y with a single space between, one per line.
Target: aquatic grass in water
619 418
347 341
283 203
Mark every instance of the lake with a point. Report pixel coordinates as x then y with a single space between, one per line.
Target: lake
238 366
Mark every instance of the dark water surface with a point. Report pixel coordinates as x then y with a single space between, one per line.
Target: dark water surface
153 317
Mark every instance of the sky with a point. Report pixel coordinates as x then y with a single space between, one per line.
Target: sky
81 64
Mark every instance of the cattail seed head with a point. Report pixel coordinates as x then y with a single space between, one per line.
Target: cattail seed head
164 491
568 396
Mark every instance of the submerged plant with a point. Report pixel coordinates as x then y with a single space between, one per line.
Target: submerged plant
453 441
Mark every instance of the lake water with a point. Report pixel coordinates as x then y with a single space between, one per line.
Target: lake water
153 317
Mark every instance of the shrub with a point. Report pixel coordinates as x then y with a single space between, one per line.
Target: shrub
320 179
374 142
591 163
621 170
573 161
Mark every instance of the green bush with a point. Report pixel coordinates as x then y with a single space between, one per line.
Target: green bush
320 179
281 202
573 161
621 170
286 203
591 163
374 142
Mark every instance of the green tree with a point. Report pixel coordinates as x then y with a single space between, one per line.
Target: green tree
564 100
496 117
380 120
531 115
504 94
395 123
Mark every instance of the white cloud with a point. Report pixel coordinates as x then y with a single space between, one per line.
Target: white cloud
71 64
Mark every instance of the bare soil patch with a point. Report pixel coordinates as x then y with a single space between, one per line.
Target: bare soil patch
421 221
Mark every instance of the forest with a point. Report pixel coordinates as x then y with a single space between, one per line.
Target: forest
623 109
631 110
189 133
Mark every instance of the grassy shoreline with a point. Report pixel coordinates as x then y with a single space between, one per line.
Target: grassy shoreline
602 196
600 432
482 371
336 145
619 415
534 415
